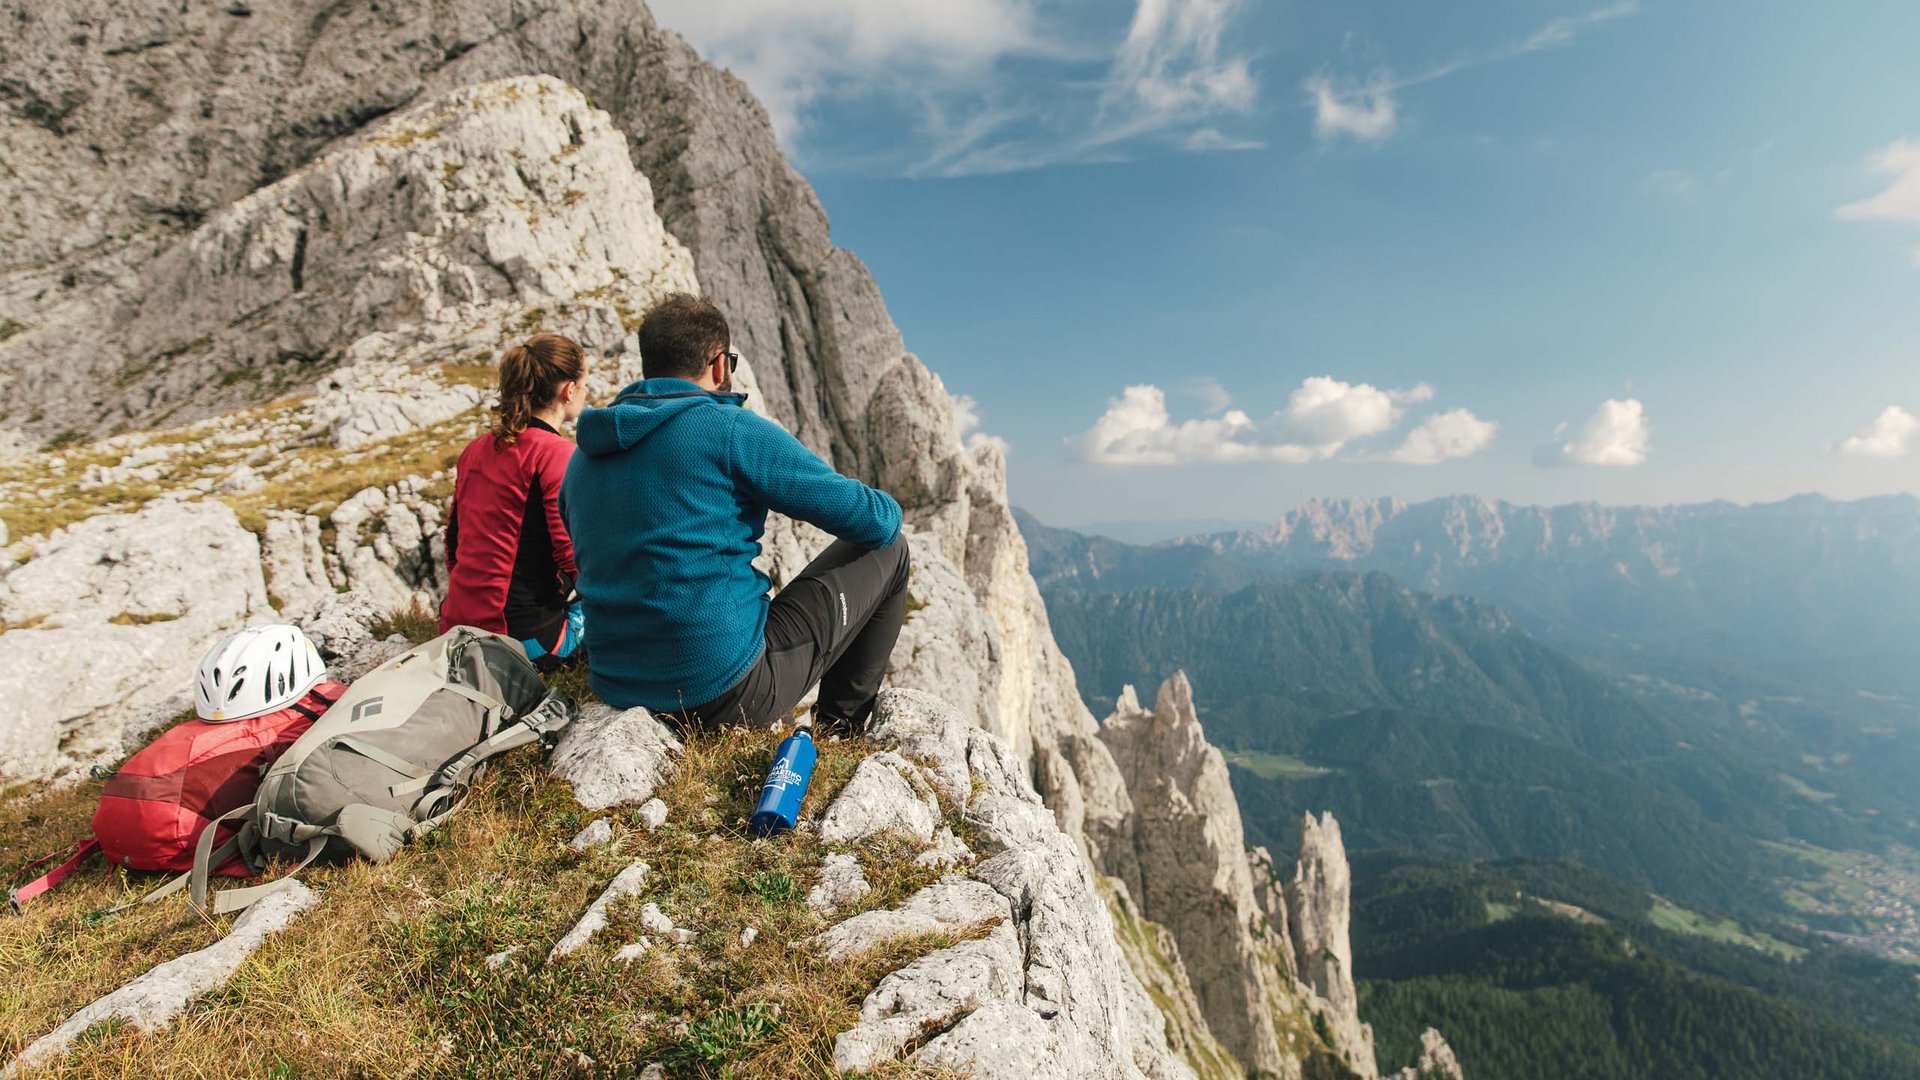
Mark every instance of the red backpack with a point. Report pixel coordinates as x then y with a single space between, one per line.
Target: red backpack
155 807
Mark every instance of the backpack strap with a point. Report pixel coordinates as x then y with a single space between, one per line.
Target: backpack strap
82 851
543 723
205 857
317 698
227 901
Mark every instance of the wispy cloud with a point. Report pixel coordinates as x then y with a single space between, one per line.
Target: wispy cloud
1892 434
1900 199
1323 416
1366 113
1368 109
987 86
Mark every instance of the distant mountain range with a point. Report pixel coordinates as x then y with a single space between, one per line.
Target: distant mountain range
1808 592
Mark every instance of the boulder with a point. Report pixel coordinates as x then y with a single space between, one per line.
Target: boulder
593 836
113 613
841 885
614 758
885 795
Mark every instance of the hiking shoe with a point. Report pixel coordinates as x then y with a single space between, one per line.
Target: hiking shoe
826 725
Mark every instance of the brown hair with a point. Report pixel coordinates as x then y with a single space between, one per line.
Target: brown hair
679 335
531 374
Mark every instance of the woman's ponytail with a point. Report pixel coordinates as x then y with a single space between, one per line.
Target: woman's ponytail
531 374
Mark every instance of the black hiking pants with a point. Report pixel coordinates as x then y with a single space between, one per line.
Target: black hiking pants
834 624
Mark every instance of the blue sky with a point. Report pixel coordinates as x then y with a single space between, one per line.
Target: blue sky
1543 251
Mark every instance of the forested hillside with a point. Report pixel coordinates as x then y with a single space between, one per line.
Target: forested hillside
1541 969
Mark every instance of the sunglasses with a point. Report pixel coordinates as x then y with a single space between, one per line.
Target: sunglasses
733 360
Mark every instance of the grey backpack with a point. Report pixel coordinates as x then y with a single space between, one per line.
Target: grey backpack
390 760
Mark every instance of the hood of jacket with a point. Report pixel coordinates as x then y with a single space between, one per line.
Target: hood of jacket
640 409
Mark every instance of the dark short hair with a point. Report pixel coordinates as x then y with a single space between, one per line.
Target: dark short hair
679 335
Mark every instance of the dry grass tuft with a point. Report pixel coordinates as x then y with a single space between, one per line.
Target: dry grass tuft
388 976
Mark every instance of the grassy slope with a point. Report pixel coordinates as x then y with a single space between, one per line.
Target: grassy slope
387 976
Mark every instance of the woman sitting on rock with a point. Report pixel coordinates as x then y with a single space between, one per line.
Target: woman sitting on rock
509 559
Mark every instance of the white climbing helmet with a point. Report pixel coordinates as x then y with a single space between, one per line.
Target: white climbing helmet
254 672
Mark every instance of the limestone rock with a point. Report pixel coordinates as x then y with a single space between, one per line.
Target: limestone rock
949 646
950 904
652 918
614 758
1320 914
929 994
389 544
653 814
1182 855
625 883
881 797
296 564
947 852
1071 1008
416 241
366 403
342 629
594 835
924 727
153 1000
116 606
633 951
1154 956
1437 1060
841 885
496 961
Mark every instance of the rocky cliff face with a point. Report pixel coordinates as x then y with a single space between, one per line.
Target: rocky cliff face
1268 954
254 262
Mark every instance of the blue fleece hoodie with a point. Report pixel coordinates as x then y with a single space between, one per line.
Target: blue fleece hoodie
666 503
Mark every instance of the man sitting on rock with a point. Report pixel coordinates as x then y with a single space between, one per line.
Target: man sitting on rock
666 502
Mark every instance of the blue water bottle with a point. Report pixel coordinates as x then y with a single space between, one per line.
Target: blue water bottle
787 781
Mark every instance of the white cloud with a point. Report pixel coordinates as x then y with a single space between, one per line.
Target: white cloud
1321 417
1616 434
1444 436
986 86
1891 434
966 421
1901 199
1206 139
1326 414
1367 113
1171 64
